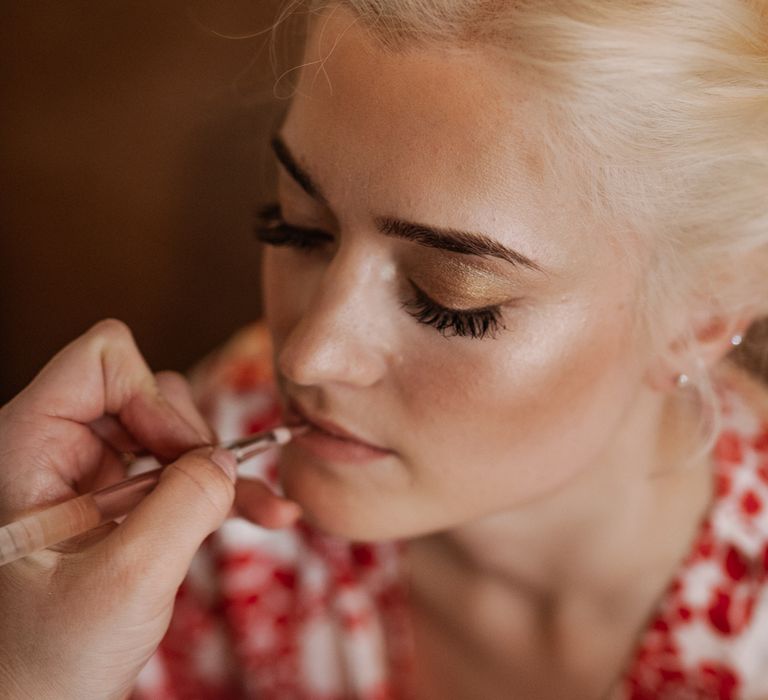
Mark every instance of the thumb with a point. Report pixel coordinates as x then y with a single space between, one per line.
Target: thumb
161 535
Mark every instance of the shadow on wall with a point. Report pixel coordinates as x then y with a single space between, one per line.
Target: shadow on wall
133 152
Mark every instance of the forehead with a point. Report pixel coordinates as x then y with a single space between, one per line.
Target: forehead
435 104
444 134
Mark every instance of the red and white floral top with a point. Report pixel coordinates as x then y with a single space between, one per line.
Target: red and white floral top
296 615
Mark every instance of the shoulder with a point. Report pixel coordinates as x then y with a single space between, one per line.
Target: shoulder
739 514
234 389
241 363
744 397
711 631
234 386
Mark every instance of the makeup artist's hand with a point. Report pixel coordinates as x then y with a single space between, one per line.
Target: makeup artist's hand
81 622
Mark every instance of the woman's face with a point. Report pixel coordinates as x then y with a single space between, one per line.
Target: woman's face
488 368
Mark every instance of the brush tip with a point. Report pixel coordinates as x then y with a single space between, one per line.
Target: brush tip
284 434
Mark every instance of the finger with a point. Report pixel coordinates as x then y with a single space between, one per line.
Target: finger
111 431
256 502
113 468
80 542
41 461
103 372
46 445
177 391
161 535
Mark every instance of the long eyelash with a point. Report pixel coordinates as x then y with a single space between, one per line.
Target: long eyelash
272 229
474 323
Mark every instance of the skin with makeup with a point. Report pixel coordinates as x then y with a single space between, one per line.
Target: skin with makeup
463 334
493 363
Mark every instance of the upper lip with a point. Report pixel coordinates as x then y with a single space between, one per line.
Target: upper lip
329 427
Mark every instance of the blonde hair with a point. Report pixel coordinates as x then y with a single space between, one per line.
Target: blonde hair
659 112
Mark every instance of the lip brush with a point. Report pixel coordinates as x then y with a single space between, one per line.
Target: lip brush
62 521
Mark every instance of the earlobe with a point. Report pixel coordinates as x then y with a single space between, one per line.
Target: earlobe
662 376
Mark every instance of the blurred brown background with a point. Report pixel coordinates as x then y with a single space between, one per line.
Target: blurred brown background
133 152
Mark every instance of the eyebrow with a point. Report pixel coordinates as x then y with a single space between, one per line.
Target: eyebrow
452 240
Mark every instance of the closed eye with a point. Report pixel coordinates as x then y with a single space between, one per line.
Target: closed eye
473 323
484 322
272 229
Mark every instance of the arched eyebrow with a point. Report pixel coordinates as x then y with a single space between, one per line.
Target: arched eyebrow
453 240
302 177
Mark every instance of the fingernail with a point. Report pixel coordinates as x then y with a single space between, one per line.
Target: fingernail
226 460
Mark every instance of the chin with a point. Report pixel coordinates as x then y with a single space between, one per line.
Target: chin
336 508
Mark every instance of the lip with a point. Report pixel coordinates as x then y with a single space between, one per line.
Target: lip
330 441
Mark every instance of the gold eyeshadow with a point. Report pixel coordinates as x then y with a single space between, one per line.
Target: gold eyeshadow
458 281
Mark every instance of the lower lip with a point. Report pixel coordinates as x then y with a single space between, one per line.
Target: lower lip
334 449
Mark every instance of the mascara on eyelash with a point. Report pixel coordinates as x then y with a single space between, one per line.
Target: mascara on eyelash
473 323
272 229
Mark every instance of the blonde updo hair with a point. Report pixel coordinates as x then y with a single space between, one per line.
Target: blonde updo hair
659 111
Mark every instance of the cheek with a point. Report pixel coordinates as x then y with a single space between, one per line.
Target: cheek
527 411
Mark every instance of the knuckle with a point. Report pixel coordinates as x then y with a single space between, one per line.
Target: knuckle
111 338
123 366
171 377
112 329
172 383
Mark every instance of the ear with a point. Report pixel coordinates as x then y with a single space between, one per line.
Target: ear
708 340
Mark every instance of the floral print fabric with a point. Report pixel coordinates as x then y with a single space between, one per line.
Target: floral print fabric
296 615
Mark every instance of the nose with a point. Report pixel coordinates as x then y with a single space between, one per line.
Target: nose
339 337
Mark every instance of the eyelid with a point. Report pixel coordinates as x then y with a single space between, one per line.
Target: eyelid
272 229
271 217
473 310
272 221
473 323
480 323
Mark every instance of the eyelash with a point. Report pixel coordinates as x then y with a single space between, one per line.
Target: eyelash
273 230
471 323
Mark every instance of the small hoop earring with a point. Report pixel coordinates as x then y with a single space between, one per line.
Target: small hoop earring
736 340
682 380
